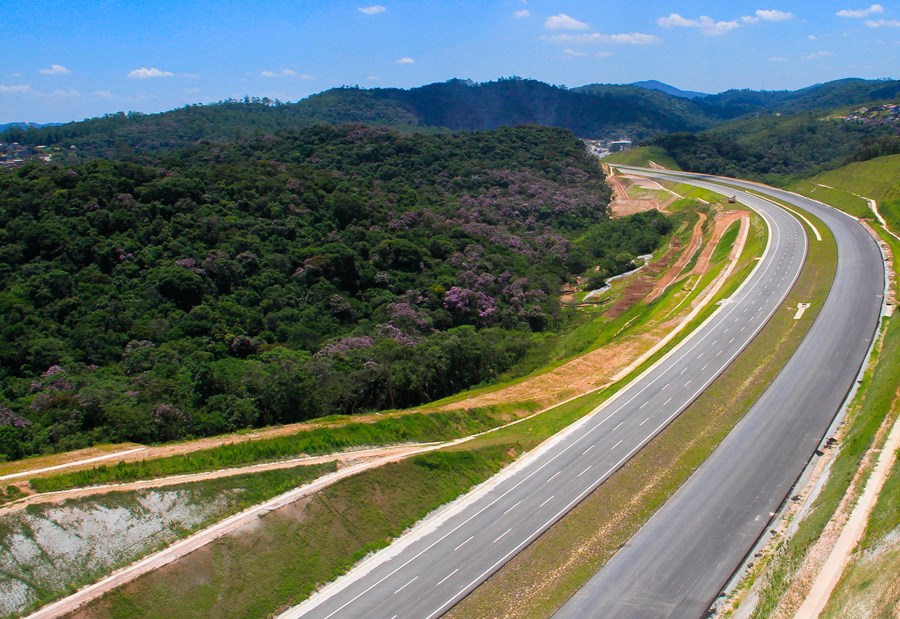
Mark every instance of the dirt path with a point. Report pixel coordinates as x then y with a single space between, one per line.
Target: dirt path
344 459
623 204
74 461
200 539
852 531
722 221
693 246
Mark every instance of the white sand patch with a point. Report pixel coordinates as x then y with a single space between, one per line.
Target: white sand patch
51 546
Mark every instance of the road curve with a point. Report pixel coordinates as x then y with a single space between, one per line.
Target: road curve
427 571
681 559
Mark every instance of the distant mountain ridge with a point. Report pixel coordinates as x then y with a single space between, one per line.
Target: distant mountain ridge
669 89
26 125
638 111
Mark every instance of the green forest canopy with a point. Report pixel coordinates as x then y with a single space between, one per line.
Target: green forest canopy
277 279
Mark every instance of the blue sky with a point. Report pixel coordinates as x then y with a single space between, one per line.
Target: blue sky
66 60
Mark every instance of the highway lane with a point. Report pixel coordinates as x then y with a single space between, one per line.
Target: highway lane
687 552
428 570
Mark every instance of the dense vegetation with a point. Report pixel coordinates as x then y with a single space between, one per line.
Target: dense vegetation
593 111
771 146
331 270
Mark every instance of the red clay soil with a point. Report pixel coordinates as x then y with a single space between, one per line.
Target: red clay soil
622 204
683 260
721 222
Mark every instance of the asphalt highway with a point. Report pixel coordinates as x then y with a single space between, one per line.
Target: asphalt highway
676 565
428 570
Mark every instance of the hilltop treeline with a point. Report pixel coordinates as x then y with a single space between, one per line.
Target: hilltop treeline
592 111
772 146
277 279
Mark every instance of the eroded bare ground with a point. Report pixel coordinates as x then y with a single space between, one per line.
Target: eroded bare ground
623 204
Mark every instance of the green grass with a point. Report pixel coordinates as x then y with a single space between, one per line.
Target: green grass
277 562
413 427
233 494
10 494
547 573
642 157
878 179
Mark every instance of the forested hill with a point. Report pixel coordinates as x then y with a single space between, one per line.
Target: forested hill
774 147
455 105
593 111
275 279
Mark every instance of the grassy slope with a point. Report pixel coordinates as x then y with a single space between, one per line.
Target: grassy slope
877 179
281 558
50 579
642 157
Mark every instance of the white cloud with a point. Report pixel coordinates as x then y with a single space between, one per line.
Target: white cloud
66 93
145 73
706 24
287 73
675 20
778 59
634 38
373 78
406 60
714 27
55 69
102 94
889 23
564 22
857 13
811 37
570 54
522 13
17 88
375 9
773 15
818 55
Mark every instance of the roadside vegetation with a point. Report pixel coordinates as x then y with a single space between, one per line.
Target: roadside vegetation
846 187
408 428
92 536
394 495
284 555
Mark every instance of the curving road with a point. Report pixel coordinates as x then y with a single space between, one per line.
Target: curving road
686 553
427 571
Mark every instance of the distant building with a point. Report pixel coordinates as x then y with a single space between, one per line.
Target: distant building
618 145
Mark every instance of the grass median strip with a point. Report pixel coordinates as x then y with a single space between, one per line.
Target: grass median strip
541 578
